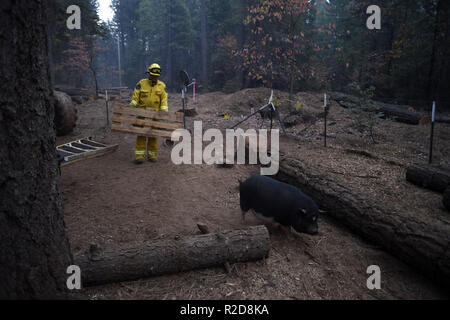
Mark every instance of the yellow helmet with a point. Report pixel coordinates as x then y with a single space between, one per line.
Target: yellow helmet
154 70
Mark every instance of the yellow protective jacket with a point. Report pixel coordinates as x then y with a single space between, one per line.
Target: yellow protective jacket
146 96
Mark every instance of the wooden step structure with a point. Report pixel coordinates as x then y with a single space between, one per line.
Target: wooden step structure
145 122
82 149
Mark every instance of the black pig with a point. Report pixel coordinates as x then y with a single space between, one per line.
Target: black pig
279 201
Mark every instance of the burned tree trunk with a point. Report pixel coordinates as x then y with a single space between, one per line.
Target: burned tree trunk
34 250
174 255
428 176
421 243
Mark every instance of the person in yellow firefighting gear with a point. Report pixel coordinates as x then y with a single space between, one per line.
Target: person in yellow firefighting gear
149 93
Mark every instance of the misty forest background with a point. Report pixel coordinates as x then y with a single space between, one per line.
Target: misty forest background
290 45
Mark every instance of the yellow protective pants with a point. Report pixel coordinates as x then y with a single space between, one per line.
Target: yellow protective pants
150 143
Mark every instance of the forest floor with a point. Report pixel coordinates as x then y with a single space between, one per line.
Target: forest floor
111 202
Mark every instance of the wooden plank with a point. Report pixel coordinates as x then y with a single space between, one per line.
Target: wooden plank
149 113
89 154
146 122
146 132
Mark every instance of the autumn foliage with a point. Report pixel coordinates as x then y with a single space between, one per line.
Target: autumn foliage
278 46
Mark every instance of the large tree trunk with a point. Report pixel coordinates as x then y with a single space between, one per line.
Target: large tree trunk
446 199
174 255
420 242
429 176
34 249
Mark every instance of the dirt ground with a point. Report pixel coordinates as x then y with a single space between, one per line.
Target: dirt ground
111 202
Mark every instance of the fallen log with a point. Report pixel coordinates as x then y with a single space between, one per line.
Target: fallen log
443 119
173 255
345 100
400 113
446 199
204 229
429 176
420 242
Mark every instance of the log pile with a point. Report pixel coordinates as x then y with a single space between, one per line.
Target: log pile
173 255
420 242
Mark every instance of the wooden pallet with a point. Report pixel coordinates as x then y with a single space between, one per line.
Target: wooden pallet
82 149
151 123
